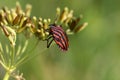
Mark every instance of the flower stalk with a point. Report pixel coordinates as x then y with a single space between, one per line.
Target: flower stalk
6 77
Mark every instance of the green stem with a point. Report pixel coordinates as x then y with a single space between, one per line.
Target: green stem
26 57
6 77
13 55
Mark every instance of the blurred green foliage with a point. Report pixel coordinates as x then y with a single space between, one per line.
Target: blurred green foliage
94 53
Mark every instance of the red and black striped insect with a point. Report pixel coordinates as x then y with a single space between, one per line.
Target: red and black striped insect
57 34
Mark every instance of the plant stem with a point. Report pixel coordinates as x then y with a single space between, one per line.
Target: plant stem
7 75
13 56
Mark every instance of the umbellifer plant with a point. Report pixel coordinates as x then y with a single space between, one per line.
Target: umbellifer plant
15 21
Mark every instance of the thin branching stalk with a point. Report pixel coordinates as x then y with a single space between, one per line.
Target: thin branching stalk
6 77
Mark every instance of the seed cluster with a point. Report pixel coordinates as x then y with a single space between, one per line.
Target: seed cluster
16 20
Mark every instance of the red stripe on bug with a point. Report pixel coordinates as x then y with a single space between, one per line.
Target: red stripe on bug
59 36
62 34
60 42
62 39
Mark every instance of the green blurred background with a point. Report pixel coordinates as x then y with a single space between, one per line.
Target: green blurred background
94 53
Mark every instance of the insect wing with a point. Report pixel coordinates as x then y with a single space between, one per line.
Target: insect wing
60 37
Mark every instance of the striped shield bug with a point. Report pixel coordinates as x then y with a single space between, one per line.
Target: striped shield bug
57 34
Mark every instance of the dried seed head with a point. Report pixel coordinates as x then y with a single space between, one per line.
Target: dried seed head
9 17
22 22
45 24
34 19
58 11
28 10
69 32
49 20
57 15
13 13
10 33
40 19
69 17
73 23
4 29
63 15
81 27
18 8
17 19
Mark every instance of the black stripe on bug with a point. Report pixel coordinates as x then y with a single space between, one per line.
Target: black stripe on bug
57 34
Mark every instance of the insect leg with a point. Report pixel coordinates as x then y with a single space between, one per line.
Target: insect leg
49 41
